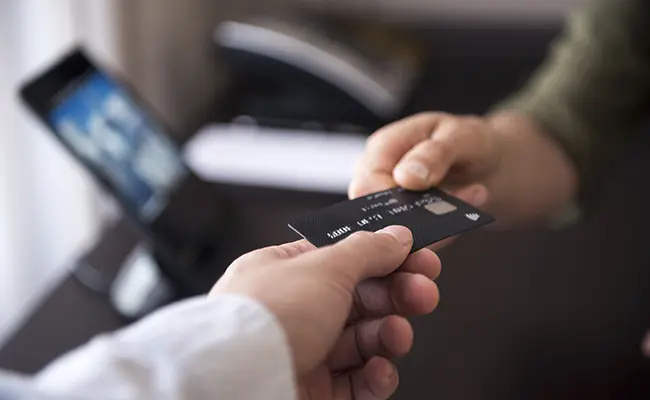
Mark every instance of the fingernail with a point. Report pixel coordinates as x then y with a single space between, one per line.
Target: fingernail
414 169
402 234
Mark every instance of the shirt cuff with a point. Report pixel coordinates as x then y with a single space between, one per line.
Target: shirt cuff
226 347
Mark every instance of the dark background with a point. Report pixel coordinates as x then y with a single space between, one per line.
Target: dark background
523 315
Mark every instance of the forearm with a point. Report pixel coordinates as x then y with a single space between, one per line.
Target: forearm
577 111
538 181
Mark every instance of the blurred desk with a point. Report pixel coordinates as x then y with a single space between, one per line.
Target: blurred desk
71 314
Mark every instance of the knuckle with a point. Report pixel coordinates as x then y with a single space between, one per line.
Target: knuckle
376 139
447 130
388 245
362 236
385 244
360 188
427 115
239 265
353 190
471 118
362 244
439 146
475 120
472 124
250 261
453 124
243 259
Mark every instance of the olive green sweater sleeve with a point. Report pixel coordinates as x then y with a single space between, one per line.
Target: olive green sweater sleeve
592 93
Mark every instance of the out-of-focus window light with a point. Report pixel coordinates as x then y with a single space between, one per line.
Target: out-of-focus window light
46 212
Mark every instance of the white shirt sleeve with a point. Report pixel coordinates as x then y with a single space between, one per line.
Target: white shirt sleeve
226 348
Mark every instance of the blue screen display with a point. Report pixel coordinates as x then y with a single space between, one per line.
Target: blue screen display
104 126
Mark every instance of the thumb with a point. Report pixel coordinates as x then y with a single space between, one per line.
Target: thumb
366 255
453 141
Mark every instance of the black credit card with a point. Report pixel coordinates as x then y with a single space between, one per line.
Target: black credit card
431 216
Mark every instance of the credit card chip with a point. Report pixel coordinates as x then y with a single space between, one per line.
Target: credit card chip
441 207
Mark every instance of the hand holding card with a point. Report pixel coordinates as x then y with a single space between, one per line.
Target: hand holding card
431 216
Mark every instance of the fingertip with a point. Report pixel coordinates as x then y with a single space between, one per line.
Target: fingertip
368 183
414 294
412 176
377 379
381 376
396 334
426 293
436 262
425 262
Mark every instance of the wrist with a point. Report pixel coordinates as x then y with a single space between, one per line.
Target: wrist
535 183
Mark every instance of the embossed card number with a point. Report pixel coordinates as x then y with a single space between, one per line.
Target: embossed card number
431 216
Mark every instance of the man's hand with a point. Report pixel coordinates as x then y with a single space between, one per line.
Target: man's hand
431 149
428 150
503 163
342 307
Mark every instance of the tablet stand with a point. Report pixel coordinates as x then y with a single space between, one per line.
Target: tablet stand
139 287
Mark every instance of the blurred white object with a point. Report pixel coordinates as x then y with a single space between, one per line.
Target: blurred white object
379 84
269 157
47 212
139 288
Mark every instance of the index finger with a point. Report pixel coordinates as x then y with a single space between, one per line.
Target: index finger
385 148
